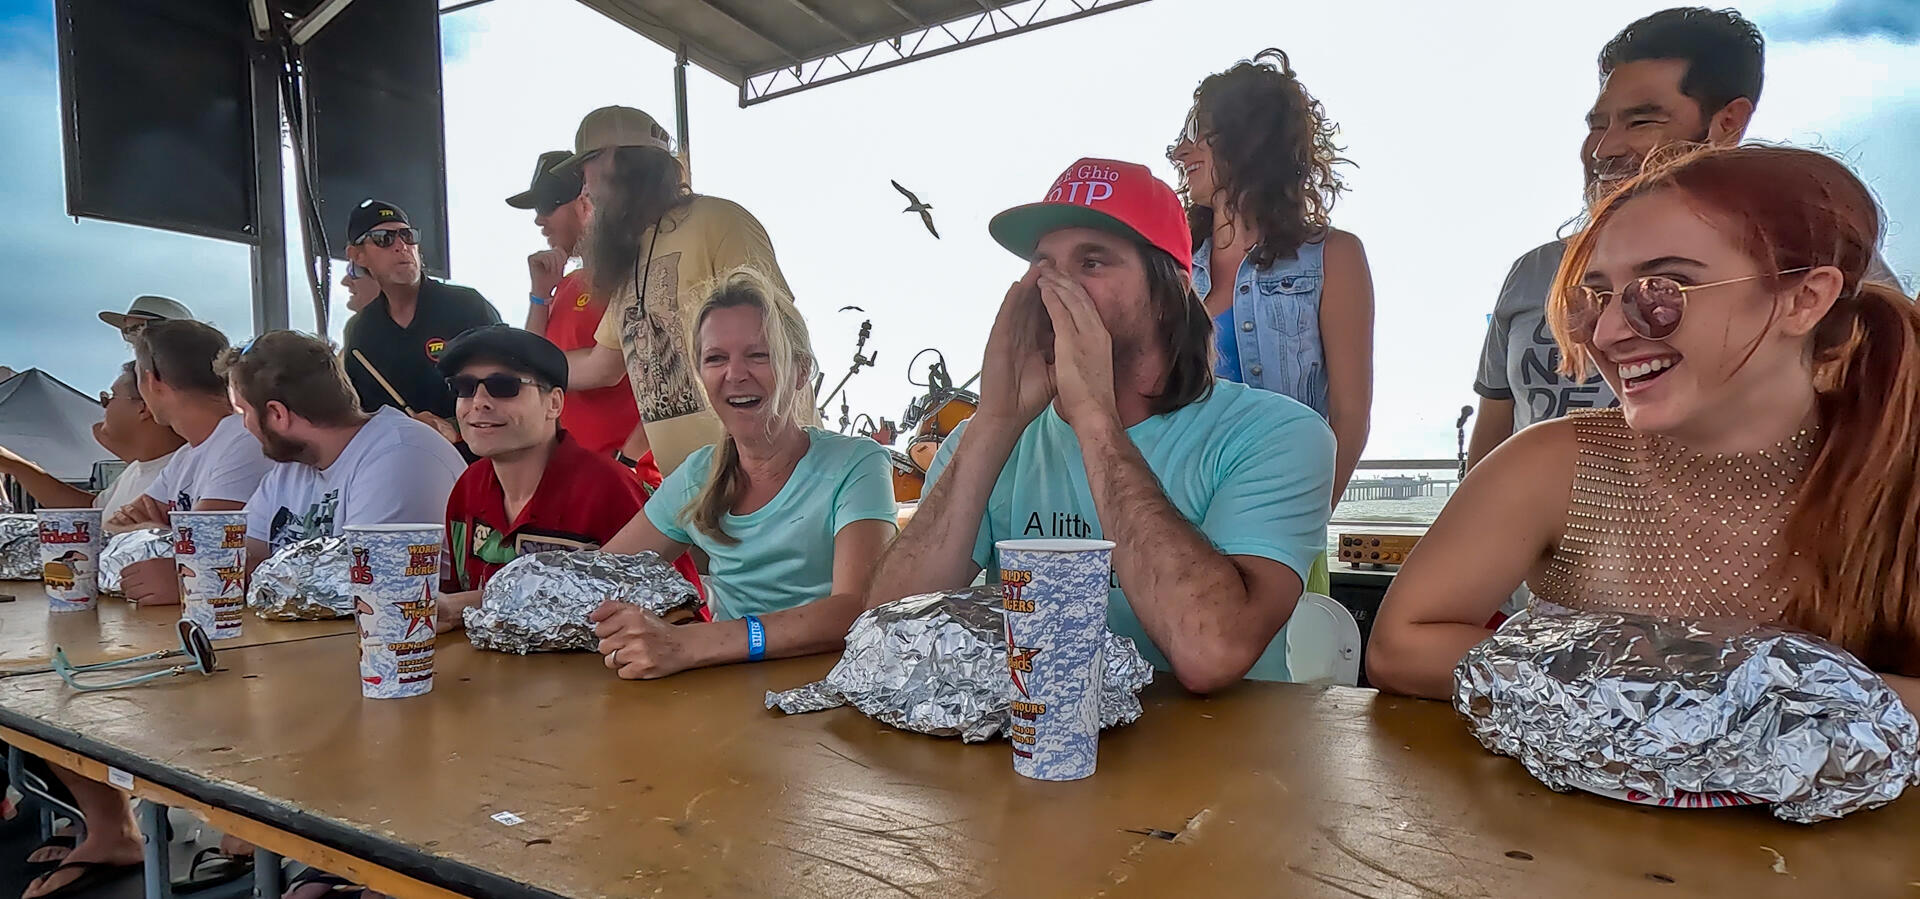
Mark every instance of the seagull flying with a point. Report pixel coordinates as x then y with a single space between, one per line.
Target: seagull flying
914 205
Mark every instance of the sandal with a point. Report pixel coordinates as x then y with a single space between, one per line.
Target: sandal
211 868
92 874
58 841
336 885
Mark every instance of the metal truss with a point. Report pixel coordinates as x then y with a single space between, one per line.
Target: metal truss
993 22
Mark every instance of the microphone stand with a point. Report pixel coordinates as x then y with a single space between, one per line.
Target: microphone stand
859 362
1460 426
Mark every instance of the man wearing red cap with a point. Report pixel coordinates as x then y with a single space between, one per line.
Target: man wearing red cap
1100 418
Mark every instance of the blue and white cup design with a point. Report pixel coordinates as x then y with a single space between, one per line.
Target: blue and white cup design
210 555
1055 596
392 569
70 544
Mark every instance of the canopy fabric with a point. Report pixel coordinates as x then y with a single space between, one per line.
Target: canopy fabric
47 422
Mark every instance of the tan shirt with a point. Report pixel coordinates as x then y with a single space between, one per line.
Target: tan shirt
699 243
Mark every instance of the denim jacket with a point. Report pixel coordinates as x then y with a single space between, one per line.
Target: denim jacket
1271 337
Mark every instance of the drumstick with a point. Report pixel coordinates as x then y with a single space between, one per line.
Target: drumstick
383 381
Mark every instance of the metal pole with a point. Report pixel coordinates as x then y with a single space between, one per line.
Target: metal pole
153 827
269 256
266 875
680 133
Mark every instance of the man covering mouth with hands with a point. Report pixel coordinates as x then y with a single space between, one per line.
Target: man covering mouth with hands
1100 418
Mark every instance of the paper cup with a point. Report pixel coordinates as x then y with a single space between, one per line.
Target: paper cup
210 551
70 544
392 569
1055 596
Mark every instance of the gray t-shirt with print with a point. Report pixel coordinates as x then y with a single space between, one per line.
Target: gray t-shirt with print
1520 361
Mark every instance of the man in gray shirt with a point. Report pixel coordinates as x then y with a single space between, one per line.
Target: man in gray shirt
1687 74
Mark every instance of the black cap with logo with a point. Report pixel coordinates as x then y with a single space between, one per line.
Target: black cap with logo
550 190
521 350
371 214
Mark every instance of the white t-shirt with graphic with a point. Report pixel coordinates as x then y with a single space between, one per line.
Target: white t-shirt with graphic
395 471
228 466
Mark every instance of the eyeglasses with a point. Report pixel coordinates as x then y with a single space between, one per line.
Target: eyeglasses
385 237
499 386
194 645
1653 306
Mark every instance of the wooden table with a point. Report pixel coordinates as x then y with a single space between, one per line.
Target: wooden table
688 787
117 629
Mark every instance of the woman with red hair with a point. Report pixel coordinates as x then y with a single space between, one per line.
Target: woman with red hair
1762 464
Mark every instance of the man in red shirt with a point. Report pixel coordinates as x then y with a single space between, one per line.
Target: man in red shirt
560 308
535 487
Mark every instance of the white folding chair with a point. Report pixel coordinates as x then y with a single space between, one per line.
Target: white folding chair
1323 642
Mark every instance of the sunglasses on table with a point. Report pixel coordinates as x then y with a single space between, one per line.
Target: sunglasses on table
499 386
384 238
1653 306
194 647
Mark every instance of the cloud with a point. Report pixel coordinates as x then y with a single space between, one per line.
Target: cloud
1895 19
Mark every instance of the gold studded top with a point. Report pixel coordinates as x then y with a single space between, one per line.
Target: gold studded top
1656 528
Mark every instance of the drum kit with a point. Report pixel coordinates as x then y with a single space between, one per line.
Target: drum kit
932 418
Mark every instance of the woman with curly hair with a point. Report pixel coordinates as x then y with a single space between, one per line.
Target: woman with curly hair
1290 295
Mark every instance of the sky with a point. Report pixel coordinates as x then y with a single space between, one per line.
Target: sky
1463 121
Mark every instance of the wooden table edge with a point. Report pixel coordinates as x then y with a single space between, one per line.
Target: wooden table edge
326 856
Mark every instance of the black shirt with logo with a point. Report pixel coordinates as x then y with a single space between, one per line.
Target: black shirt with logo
407 357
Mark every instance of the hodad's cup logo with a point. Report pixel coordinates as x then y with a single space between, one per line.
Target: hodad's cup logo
183 541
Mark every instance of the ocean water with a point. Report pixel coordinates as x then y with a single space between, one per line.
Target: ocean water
1388 514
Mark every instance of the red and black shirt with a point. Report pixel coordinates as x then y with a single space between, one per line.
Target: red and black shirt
584 498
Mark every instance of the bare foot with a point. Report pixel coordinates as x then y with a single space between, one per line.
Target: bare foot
116 849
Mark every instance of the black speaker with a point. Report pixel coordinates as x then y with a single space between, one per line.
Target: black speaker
373 90
155 101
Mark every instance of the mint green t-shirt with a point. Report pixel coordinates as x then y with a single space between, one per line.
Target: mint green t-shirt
1252 469
785 554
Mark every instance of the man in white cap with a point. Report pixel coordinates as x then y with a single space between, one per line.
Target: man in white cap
143 311
635 183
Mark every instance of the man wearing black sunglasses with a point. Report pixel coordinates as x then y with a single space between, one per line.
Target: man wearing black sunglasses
404 330
535 487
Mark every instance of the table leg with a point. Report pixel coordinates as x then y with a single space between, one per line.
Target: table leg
266 875
153 828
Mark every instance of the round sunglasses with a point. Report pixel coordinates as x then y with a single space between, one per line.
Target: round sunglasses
1653 306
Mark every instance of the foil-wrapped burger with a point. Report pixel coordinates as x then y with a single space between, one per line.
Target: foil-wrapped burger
306 580
1628 705
131 548
540 602
19 548
937 664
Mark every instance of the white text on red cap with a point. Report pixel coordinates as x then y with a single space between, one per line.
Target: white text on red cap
1084 184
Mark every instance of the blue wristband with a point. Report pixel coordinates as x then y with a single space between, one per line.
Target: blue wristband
537 299
756 639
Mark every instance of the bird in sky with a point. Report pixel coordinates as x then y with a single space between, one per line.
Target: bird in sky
914 205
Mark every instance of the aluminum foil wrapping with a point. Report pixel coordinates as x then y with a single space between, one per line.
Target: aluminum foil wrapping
937 664
19 548
306 580
1615 703
128 548
540 602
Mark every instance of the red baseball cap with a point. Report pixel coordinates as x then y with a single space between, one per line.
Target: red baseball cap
1120 197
